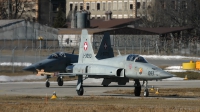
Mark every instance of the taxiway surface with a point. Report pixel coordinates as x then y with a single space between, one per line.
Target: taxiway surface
91 87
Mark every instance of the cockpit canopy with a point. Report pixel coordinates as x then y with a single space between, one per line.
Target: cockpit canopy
136 58
57 55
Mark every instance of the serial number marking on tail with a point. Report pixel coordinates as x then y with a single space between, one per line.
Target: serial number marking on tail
87 55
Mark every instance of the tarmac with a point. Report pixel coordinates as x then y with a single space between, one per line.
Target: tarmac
91 87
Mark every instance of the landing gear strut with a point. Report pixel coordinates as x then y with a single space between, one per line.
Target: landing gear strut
47 81
79 87
137 90
146 91
60 81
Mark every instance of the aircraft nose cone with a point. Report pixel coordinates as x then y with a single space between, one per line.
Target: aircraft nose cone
29 68
165 75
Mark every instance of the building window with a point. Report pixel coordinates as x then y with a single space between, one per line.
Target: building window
143 5
125 5
98 6
114 16
114 5
109 5
120 16
71 7
88 6
131 6
81 6
119 5
93 6
125 16
138 5
76 7
104 6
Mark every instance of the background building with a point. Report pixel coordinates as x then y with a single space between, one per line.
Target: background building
119 8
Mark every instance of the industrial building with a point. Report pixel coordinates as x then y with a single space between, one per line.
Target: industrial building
98 8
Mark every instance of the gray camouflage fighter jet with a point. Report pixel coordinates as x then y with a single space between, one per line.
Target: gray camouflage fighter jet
130 66
57 62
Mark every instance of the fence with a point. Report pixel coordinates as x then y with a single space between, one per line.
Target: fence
19 44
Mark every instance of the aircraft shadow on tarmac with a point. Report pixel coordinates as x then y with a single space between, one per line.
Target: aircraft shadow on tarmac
101 86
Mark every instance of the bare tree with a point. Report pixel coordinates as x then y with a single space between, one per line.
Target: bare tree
15 9
169 13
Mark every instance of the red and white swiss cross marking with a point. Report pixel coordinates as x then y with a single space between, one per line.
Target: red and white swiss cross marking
85 46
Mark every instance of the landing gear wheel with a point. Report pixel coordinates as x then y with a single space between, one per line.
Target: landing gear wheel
80 91
137 91
47 84
146 93
60 81
105 85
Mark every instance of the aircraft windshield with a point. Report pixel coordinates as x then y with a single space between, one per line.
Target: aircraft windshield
131 57
140 59
56 55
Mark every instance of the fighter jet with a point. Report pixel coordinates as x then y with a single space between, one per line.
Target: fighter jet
132 66
57 63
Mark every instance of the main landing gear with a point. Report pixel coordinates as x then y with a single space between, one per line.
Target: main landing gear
79 87
47 84
60 81
137 90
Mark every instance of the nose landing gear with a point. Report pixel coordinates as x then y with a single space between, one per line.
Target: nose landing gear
47 84
137 90
146 91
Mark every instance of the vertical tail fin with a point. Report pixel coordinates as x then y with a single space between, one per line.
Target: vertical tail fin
105 49
86 53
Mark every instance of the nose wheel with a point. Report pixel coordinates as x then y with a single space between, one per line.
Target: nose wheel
146 91
80 91
47 84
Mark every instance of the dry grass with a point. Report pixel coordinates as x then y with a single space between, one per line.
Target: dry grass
95 104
